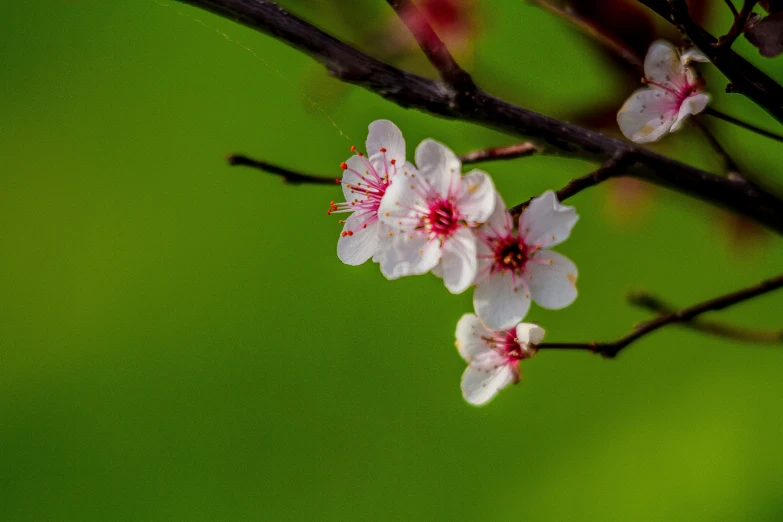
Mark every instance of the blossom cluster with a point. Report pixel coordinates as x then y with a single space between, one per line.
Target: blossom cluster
431 217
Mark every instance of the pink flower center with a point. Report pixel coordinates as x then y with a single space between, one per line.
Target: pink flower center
443 219
505 343
510 254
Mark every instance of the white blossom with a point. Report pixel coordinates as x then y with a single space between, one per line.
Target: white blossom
431 213
516 266
364 182
493 356
673 92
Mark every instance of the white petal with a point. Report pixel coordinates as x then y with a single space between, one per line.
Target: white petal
499 303
438 164
354 176
481 383
408 256
362 245
552 279
471 335
528 333
691 105
398 203
647 115
693 55
477 196
547 222
662 65
460 262
499 222
385 134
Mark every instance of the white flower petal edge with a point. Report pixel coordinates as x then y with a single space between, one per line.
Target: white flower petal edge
546 222
493 356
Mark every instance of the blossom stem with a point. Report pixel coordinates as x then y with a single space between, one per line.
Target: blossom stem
738 333
685 315
739 123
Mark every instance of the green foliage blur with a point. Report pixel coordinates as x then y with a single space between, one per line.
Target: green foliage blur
178 340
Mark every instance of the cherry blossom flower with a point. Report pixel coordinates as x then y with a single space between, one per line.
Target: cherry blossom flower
432 212
493 356
364 183
515 265
673 92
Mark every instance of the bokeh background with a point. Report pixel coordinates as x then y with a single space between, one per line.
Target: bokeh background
178 340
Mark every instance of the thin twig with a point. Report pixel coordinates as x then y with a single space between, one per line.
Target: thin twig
732 8
552 136
288 176
729 165
432 46
613 168
738 25
611 349
739 123
587 27
519 150
718 329
746 78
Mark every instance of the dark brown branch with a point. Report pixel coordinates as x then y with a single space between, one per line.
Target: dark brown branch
744 77
288 176
611 349
432 46
613 168
550 135
739 123
738 25
718 329
615 45
519 150
732 8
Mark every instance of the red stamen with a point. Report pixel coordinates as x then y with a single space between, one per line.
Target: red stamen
383 149
393 162
353 148
344 165
338 180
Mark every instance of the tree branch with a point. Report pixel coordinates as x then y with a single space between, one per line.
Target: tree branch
288 176
548 134
519 150
613 168
745 78
739 123
737 333
738 25
432 46
611 349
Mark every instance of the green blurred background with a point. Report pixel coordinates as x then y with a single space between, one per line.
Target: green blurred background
180 342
